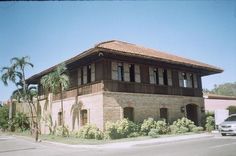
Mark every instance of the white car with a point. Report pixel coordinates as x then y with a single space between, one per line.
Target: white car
228 126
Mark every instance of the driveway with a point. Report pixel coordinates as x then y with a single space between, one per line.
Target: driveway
208 146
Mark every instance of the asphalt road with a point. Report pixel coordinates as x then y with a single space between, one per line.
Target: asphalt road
211 146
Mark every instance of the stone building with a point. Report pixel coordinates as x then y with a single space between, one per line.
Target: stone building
115 80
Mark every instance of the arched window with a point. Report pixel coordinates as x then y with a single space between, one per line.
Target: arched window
164 114
129 113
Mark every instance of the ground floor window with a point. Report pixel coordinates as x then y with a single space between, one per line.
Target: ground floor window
59 118
164 114
84 117
129 113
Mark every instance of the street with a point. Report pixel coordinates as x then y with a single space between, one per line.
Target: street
210 146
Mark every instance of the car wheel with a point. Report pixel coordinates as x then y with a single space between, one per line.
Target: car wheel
223 134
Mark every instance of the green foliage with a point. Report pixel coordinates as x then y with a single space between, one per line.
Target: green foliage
21 122
204 117
197 129
121 129
162 127
228 89
62 131
4 118
147 125
154 133
90 132
232 110
182 125
210 123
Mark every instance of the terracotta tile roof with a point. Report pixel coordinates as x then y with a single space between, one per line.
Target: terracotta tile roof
124 48
132 49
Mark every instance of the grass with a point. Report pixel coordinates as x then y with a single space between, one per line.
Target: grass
78 141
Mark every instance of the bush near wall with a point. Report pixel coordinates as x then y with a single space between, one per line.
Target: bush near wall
121 129
90 131
210 123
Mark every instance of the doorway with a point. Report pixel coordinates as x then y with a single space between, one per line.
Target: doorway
192 113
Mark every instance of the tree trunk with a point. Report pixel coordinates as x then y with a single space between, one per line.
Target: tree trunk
62 111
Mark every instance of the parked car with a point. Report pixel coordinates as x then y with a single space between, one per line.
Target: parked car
228 126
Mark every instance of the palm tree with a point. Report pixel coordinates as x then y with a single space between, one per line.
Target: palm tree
16 74
57 81
21 63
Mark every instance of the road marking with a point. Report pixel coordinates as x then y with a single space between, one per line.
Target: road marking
218 146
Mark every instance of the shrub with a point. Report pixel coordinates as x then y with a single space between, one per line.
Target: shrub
21 122
205 115
197 129
62 131
90 131
210 123
147 125
154 133
4 118
162 127
182 125
174 129
133 134
120 129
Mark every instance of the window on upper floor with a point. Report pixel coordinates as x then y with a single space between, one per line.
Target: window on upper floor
88 73
187 80
155 74
132 72
165 77
160 76
120 71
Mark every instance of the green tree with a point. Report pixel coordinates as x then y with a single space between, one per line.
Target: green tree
228 89
4 117
16 74
57 82
232 109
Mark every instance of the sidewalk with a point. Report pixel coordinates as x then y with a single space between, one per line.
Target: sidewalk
128 144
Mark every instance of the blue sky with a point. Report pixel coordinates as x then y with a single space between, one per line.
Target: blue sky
50 32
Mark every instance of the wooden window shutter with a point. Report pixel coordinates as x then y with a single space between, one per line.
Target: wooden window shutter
195 80
181 79
92 72
169 77
126 72
114 74
189 81
160 74
79 76
137 73
151 75
85 74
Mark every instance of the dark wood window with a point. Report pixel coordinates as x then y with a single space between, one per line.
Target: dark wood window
59 118
185 80
129 113
132 72
156 76
165 77
82 75
164 114
84 117
192 80
88 73
120 70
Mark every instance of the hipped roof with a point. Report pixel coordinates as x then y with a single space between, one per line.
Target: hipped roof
128 49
